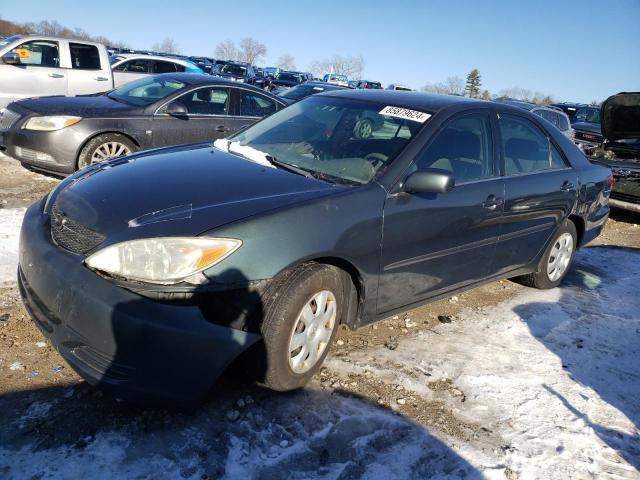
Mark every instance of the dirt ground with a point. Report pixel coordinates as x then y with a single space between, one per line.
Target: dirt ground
31 371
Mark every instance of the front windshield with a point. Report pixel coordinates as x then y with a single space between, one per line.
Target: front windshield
8 40
336 139
590 115
232 69
147 90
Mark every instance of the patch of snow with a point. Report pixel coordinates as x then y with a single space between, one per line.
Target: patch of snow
10 223
553 373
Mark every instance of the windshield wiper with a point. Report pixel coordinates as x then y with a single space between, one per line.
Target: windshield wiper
291 168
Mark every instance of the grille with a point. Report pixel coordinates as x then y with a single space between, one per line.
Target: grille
8 118
71 235
624 197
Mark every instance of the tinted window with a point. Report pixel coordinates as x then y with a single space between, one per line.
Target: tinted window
84 57
464 148
255 105
526 148
39 53
207 101
136 66
165 67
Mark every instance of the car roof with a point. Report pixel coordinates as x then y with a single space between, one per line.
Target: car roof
418 100
129 56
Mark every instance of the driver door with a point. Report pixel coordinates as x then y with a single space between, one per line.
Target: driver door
209 117
38 74
437 242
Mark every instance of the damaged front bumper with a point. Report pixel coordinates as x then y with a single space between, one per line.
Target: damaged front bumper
137 348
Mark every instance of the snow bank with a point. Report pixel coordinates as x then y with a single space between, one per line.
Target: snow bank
10 222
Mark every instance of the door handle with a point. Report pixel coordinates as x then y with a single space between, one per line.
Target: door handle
56 75
222 129
101 79
566 186
492 202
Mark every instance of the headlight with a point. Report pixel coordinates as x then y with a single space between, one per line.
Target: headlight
162 260
48 124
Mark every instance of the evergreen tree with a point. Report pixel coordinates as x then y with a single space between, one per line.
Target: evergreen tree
474 81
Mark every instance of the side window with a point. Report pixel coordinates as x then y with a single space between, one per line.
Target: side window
464 148
178 67
84 57
39 53
563 123
164 67
135 66
207 101
526 149
557 159
255 105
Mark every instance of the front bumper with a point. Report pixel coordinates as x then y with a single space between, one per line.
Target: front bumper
50 151
137 348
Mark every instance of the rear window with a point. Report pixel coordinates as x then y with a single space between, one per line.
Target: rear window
84 57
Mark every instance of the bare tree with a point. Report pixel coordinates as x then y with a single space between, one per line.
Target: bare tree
251 50
226 51
167 45
451 86
516 92
287 62
351 66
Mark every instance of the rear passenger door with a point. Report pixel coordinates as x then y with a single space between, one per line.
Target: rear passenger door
540 190
86 74
434 243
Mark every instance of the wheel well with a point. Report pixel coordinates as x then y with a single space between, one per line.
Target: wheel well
580 227
354 288
135 142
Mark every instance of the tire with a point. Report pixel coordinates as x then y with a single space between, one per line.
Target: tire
363 129
544 277
286 367
102 145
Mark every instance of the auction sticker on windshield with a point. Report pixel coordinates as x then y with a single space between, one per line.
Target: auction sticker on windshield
405 113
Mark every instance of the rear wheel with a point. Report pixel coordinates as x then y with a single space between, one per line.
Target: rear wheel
302 313
104 147
554 264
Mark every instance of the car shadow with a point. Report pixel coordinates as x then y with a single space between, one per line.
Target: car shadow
624 216
239 430
594 330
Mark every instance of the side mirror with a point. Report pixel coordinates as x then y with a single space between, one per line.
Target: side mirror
176 109
11 58
431 180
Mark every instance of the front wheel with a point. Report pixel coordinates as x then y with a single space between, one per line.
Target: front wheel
104 147
302 313
554 264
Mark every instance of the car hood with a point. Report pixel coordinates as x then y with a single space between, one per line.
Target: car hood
586 127
184 190
81 106
621 116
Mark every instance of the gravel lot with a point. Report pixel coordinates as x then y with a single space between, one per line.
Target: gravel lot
500 382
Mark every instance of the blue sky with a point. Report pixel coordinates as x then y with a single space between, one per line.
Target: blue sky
575 50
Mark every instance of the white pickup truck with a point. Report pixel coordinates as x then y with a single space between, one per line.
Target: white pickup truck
34 65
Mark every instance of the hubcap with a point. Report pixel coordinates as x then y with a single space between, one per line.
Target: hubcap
109 150
312 331
560 256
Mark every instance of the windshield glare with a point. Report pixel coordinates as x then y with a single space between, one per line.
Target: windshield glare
338 140
146 91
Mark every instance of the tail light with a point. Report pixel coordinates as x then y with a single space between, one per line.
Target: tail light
572 135
611 182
